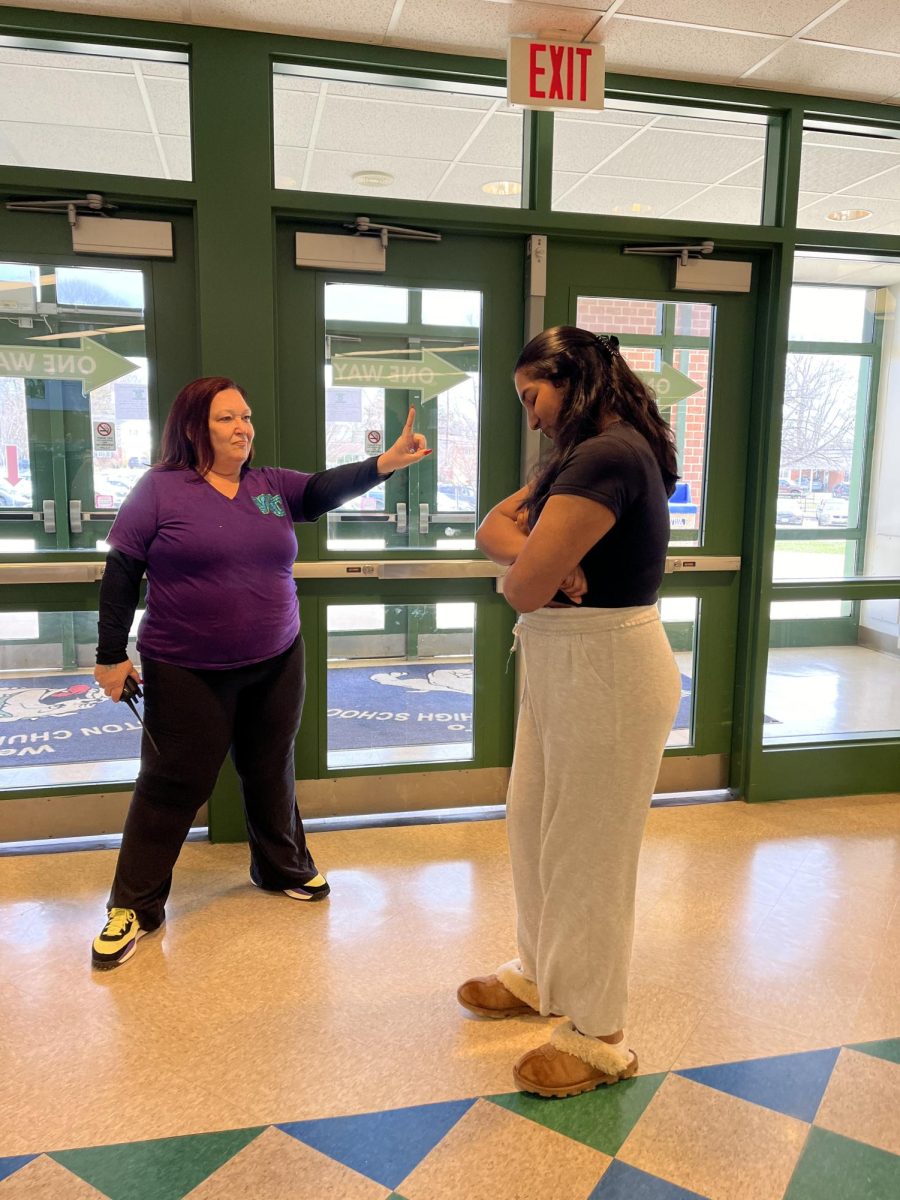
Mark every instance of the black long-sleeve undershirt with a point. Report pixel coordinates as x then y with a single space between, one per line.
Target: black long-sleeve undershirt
119 592
121 583
330 489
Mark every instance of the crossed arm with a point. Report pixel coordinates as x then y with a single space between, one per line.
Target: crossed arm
542 560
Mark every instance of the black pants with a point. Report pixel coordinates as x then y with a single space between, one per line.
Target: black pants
195 717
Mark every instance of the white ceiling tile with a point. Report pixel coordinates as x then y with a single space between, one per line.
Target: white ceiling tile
625 197
715 128
333 172
71 148
642 48
463 185
578 146
871 23
499 144
482 27
751 177
377 127
734 205
148 10
170 101
883 187
823 71
689 157
763 16
348 19
883 211
293 114
832 168
398 94
178 156
62 61
290 164
282 82
86 98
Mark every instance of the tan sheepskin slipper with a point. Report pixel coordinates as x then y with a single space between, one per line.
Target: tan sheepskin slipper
570 1064
506 994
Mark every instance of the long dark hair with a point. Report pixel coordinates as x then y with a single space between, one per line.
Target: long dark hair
185 439
597 383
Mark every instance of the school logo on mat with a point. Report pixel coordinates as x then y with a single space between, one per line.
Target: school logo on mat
269 503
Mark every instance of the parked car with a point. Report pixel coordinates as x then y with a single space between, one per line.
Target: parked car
817 485
789 511
831 511
787 488
841 490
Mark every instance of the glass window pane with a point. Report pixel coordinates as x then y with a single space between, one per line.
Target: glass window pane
653 162
680 616
369 139
90 287
441 306
365 302
846 180
824 314
58 727
371 380
401 691
74 405
19 287
124 112
681 385
837 681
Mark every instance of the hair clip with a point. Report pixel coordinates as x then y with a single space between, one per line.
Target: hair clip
610 343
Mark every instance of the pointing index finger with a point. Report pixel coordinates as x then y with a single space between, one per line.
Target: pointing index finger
410 420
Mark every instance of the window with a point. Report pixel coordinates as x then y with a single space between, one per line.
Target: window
122 112
848 179
634 160
400 138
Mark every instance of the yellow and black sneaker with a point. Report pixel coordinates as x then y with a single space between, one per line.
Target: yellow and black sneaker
117 940
314 889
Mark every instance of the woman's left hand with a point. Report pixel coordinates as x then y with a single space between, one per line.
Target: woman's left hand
409 448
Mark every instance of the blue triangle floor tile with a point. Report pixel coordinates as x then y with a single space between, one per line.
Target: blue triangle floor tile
621 1182
792 1084
385 1146
9 1166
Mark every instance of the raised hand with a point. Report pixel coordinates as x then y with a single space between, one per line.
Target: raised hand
409 448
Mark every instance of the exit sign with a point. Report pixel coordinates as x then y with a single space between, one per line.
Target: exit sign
546 74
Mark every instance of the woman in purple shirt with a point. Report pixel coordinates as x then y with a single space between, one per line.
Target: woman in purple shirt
220 645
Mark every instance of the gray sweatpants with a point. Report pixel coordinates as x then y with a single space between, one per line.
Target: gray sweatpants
600 694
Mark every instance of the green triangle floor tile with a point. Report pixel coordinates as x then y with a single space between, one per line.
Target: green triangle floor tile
384 1146
9 1166
163 1169
602 1119
793 1084
889 1049
622 1182
835 1166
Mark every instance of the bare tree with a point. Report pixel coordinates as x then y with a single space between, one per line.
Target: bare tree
819 416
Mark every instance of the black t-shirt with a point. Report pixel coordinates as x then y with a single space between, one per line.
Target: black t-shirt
618 469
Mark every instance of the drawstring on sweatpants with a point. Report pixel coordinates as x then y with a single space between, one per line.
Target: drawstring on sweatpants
514 645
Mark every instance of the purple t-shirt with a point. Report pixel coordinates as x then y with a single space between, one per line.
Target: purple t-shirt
220 592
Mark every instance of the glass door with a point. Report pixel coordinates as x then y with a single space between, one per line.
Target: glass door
74 407
407 637
91 353
695 351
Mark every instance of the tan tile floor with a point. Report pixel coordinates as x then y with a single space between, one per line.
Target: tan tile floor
762 930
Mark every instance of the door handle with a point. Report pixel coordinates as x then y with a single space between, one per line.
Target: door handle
401 518
75 525
48 516
423 518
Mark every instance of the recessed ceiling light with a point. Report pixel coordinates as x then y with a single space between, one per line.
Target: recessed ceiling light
502 187
849 214
372 178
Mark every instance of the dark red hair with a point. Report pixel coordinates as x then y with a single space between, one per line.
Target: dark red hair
185 439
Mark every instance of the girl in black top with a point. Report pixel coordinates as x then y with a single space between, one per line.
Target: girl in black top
585 543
